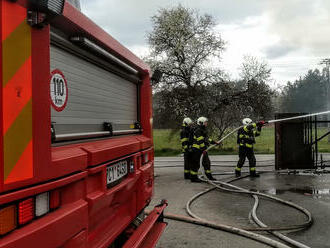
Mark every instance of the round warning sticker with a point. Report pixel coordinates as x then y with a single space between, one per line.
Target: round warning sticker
58 90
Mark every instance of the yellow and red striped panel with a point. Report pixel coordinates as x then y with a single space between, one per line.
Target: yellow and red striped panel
16 94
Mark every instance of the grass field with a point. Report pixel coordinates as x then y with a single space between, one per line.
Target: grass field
167 143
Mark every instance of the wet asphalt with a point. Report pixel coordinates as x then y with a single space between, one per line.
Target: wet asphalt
308 189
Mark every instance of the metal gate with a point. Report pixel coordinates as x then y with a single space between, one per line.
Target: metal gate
292 143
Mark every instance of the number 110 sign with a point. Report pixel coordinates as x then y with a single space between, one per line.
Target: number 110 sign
58 90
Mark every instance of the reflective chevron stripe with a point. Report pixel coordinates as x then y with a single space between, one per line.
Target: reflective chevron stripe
16 94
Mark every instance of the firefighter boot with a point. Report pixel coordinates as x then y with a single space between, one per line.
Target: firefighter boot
194 178
253 173
187 175
237 172
210 177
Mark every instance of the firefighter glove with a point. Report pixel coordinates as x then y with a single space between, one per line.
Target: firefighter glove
261 123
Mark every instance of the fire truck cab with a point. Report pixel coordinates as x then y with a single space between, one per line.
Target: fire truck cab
76 157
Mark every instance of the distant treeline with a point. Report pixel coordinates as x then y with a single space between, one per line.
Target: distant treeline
307 94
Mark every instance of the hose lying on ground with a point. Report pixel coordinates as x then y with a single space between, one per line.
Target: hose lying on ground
213 165
246 232
231 229
254 194
214 161
275 233
243 231
234 230
271 229
240 190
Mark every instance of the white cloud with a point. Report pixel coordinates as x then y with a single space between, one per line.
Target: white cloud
246 38
291 35
139 50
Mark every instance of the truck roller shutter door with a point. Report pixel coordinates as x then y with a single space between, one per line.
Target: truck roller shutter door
95 96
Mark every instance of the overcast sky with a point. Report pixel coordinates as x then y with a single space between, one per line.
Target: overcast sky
291 35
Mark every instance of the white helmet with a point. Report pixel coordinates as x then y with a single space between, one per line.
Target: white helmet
187 121
202 120
246 121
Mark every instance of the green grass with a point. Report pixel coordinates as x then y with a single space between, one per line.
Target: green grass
323 145
168 143
264 143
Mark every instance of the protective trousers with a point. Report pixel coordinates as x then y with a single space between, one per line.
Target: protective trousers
246 152
188 160
196 163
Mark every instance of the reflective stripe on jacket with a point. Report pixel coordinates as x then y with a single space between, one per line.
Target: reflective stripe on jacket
246 135
200 139
185 136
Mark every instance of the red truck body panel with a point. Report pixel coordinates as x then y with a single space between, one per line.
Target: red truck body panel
91 214
72 22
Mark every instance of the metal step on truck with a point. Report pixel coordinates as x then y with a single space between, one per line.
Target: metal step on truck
76 157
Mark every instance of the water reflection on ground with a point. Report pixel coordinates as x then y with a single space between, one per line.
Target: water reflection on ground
315 193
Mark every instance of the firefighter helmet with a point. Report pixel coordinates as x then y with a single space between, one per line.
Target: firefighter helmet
246 121
187 121
202 120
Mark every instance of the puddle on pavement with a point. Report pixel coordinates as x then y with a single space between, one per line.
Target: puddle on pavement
306 172
318 180
315 193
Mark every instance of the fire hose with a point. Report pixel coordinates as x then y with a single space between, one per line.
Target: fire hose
247 232
244 231
263 227
255 195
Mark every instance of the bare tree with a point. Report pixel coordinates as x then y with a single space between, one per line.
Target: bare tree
255 69
256 77
251 96
182 43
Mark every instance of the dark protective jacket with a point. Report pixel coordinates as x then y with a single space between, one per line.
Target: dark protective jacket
246 135
186 138
201 141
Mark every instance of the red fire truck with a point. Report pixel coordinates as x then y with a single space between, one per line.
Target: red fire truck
76 159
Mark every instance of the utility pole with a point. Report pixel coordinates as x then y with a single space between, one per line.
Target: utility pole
326 62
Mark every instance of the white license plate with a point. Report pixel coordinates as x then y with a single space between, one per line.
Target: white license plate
116 171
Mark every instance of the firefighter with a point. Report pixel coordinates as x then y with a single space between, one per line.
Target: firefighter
245 139
186 140
201 141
